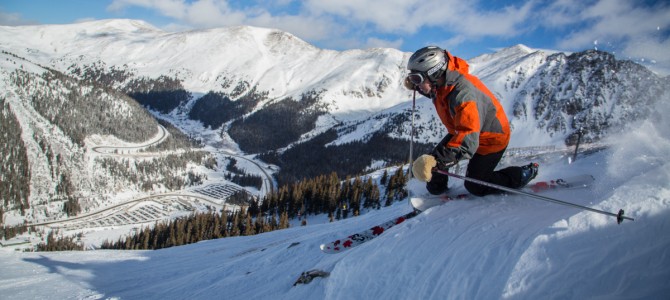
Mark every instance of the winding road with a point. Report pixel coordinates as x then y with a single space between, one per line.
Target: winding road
124 214
119 150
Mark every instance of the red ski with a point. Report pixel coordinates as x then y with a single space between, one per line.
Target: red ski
364 236
424 202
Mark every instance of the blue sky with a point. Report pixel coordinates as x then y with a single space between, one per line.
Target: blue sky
631 29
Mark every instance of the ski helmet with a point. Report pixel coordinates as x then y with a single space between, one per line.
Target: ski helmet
431 61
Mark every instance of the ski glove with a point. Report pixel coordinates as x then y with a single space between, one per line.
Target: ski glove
423 167
445 157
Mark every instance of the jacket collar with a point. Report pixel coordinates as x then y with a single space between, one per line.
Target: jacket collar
456 68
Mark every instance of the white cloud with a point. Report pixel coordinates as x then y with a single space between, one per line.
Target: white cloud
216 13
210 13
328 19
170 8
341 24
452 42
346 22
623 26
385 15
373 42
13 19
509 21
653 50
315 29
409 16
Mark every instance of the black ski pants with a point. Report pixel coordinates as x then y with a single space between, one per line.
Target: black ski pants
482 167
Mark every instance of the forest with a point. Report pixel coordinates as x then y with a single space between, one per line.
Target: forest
14 165
216 108
80 108
324 194
93 101
277 124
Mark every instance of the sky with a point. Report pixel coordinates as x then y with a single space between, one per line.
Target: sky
631 29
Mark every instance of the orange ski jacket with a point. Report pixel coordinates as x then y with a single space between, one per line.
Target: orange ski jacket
473 116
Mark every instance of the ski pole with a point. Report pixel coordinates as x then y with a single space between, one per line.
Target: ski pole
411 137
619 216
411 149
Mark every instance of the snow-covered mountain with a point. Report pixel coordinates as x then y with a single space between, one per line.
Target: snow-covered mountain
68 124
543 92
256 91
219 60
560 93
54 160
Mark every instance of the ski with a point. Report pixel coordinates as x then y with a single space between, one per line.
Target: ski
425 202
356 239
573 182
421 204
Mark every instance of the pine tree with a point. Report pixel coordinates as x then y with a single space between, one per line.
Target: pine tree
273 222
249 229
374 197
283 221
216 227
384 177
235 228
259 224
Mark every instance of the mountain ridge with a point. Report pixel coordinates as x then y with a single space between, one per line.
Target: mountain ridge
322 102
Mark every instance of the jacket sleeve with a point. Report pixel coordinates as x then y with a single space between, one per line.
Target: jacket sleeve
467 123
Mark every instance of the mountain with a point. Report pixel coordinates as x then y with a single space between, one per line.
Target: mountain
261 66
76 142
229 60
561 93
52 162
265 94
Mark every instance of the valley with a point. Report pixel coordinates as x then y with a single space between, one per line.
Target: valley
119 131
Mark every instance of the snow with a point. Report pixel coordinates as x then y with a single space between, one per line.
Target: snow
494 247
487 248
280 63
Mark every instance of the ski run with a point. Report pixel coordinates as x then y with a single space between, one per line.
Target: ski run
494 247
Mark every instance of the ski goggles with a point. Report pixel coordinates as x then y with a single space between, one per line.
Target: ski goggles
416 78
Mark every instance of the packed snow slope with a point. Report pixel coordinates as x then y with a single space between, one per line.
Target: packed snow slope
493 247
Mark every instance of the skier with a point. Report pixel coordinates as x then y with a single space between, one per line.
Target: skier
476 123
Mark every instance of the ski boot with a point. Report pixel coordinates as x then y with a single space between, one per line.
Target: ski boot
528 173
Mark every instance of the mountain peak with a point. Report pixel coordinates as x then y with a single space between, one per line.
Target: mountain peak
516 51
519 48
505 54
124 25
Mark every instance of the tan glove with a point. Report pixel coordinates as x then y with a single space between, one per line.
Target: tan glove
423 166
